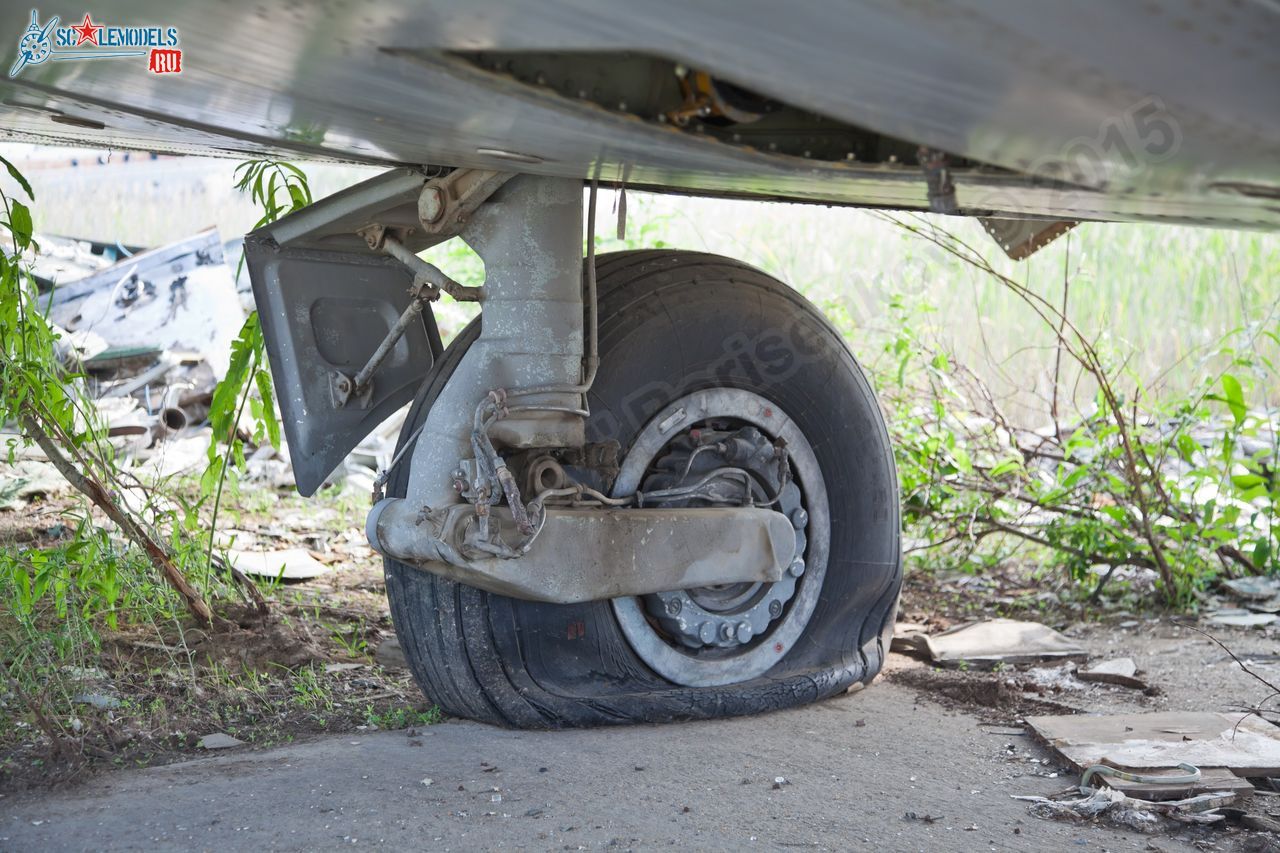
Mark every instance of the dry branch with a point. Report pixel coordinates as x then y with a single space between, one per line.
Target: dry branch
95 492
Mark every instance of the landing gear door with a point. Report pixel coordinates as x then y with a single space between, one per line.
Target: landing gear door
323 313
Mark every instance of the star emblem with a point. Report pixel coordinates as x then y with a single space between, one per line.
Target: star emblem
87 31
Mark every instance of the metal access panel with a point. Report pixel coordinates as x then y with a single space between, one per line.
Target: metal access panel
322 313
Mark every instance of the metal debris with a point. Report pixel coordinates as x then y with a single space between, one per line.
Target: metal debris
1242 744
1141 815
219 740
284 564
1121 671
995 641
178 297
1240 618
389 655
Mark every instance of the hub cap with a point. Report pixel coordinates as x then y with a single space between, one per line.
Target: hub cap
730 632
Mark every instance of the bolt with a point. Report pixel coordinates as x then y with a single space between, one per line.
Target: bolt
726 631
775 609
430 205
799 518
796 569
673 606
706 632
744 632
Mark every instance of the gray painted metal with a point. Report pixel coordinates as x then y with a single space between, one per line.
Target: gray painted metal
593 554
324 313
529 235
333 224
1178 103
682 665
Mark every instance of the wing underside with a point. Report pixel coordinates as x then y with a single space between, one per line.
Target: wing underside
1091 110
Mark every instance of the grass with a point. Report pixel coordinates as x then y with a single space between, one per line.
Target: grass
1157 296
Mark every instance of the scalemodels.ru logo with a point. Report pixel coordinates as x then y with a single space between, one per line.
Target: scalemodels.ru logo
87 40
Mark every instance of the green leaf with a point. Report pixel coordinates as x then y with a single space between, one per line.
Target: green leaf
269 419
1234 397
1008 466
20 222
17 176
1073 479
1115 513
1261 553
1247 481
1259 491
1187 447
212 473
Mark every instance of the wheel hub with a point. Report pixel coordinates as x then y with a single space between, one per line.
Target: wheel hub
728 615
733 632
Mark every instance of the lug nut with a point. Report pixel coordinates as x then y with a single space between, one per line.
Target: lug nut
799 518
706 632
796 569
726 631
744 632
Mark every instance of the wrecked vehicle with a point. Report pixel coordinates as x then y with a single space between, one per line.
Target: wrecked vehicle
656 484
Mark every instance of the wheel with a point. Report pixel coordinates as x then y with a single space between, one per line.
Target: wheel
704 362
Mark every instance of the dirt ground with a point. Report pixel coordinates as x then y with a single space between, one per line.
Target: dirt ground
888 768
924 759
152 691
